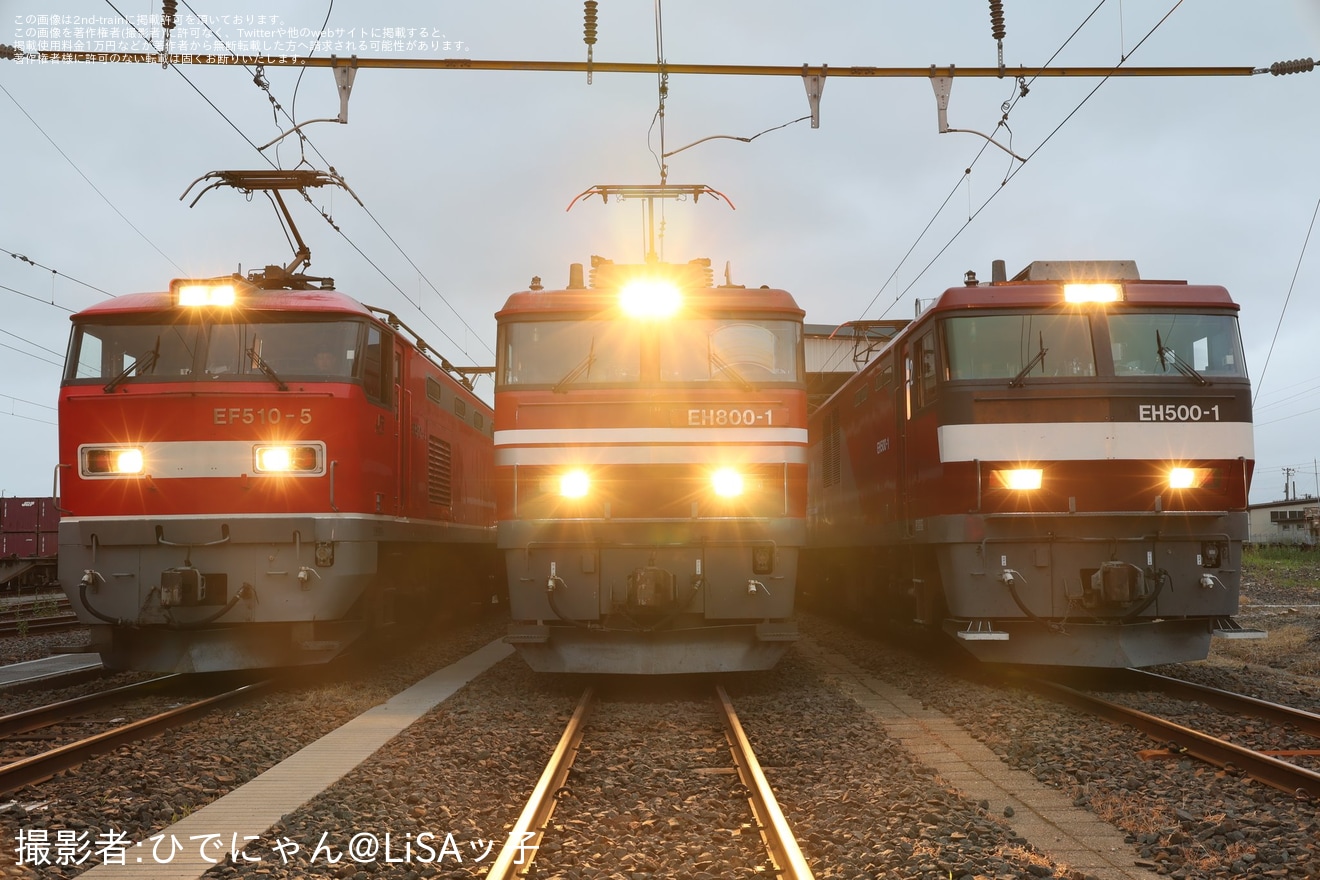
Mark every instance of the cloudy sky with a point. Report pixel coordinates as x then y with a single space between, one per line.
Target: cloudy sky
465 176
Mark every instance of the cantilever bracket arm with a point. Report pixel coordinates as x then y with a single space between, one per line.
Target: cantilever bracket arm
815 84
943 85
344 76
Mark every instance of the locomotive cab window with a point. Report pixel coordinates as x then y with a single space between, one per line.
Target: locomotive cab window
736 350
1035 345
214 351
560 353
156 352
925 369
564 354
1157 344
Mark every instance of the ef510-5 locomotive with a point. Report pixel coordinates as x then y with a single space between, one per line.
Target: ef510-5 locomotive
258 477
1052 470
650 445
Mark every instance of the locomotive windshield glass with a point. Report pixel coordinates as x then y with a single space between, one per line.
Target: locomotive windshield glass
306 350
1020 346
1155 344
585 353
722 350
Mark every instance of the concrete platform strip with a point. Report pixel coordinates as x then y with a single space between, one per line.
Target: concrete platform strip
254 807
1044 816
33 671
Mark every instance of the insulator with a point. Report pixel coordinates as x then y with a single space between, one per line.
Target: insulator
997 19
1283 68
167 11
589 23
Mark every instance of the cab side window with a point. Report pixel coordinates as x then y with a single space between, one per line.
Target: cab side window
377 366
927 368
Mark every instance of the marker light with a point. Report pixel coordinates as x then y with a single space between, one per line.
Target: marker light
114 461
1018 479
574 484
1092 293
286 459
648 298
1189 478
728 483
203 293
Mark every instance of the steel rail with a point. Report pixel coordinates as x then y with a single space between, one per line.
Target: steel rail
37 768
1306 722
519 851
653 68
53 713
51 623
779 839
1298 781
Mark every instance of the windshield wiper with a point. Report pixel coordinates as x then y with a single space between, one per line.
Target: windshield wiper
1037 358
266 368
140 365
721 366
583 366
1168 354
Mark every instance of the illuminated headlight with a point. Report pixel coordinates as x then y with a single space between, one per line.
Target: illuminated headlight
1190 478
203 293
574 484
649 299
286 459
111 461
1092 293
1019 479
727 483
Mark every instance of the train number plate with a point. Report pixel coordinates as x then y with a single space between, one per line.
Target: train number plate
1177 412
724 418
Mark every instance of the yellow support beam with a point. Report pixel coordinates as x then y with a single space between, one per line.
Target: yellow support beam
628 67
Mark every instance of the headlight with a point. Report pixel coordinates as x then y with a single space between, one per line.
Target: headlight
1018 479
1092 293
203 293
286 459
112 461
649 299
727 482
1190 478
574 484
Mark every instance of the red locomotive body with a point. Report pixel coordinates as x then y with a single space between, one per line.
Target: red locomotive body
652 472
261 483
1049 481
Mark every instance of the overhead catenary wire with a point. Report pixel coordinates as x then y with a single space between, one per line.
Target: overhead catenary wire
1284 310
1015 171
325 215
83 175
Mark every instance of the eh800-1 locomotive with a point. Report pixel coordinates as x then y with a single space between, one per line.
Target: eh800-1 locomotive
650 445
1052 469
258 477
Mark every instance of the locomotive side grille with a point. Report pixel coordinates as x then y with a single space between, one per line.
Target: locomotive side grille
439 472
831 462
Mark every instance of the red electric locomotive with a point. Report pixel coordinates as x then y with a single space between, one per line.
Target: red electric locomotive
258 477
650 445
1053 470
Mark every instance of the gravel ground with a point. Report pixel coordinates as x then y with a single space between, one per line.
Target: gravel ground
141 788
861 807
640 805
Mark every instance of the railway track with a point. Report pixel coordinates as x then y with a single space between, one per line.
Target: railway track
47 613
1264 765
34 768
534 834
